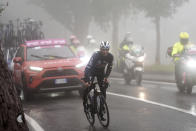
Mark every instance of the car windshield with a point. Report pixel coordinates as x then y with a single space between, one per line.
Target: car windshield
49 52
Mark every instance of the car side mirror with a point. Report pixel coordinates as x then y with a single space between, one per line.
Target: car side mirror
17 60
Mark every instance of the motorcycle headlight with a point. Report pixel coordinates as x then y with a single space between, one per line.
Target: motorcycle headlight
140 59
33 68
191 63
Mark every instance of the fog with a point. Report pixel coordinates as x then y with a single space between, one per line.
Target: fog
142 28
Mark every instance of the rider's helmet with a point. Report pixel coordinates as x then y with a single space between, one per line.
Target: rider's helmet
127 35
184 37
31 20
72 38
105 45
129 41
76 42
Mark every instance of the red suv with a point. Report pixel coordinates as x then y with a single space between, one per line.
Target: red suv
47 66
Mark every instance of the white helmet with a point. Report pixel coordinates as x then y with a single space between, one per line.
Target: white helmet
129 39
105 45
89 37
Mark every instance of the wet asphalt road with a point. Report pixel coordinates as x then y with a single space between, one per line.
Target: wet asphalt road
64 111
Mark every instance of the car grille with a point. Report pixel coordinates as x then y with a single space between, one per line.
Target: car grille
54 73
51 83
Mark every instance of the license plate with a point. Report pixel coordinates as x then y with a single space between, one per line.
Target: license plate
60 81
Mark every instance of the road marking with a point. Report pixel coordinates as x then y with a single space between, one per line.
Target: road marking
33 123
147 81
154 103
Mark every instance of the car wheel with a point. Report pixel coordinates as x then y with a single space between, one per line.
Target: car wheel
27 95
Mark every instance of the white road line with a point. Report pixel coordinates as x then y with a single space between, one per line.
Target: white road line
154 103
33 123
147 81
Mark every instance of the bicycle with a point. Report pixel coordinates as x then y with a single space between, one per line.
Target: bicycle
95 103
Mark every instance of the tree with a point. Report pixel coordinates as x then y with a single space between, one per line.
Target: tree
106 12
156 9
75 15
11 111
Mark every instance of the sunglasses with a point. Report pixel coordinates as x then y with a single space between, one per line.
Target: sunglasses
104 49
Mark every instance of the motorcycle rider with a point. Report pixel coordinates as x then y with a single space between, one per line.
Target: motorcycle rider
96 68
177 51
125 47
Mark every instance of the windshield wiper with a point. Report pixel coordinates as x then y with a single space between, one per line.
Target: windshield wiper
54 56
38 56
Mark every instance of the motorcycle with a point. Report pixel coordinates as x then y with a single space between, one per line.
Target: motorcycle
188 71
134 64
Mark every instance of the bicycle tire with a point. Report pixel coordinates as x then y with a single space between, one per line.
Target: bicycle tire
99 111
88 109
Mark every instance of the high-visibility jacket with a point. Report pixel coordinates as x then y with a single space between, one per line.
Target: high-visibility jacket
126 48
178 48
73 49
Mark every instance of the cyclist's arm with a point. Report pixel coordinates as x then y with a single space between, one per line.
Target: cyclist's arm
175 50
109 67
90 67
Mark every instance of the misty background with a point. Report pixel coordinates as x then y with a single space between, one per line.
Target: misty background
141 27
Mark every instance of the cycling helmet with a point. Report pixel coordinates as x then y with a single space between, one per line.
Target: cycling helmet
105 45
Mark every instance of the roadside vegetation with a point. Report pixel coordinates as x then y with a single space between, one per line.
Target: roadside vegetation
155 68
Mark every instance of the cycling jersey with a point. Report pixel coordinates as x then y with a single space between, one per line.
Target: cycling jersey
99 65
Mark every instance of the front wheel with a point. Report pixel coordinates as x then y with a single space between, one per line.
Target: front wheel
127 79
102 111
138 78
88 110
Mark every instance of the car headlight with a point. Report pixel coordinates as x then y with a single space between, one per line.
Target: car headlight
191 63
33 68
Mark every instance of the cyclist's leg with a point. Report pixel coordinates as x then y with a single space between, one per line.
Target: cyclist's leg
103 90
86 91
100 83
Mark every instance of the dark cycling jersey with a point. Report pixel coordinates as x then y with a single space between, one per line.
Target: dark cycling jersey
97 65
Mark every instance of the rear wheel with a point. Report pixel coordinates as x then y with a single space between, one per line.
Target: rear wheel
25 92
181 88
28 95
102 111
88 110
127 78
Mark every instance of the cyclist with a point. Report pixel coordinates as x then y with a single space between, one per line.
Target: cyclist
96 68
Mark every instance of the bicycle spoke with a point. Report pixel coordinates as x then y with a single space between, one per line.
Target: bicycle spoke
88 109
103 112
